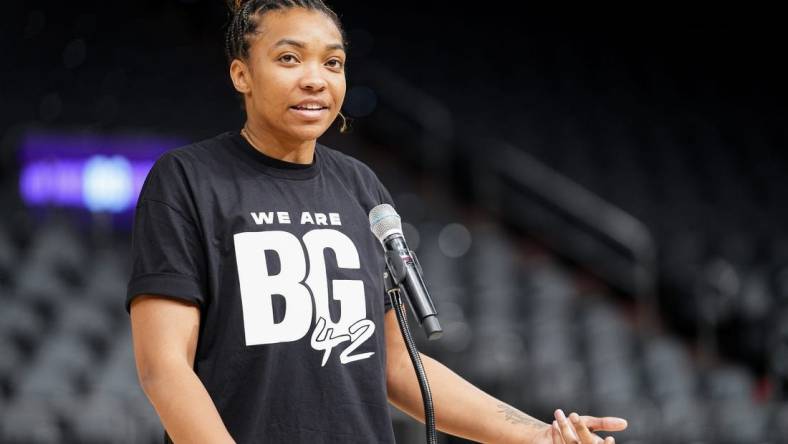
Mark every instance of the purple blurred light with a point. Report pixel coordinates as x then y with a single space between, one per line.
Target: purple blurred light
53 165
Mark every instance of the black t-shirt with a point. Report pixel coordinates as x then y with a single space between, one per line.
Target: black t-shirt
288 277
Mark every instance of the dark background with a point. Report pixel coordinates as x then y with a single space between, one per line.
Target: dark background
672 115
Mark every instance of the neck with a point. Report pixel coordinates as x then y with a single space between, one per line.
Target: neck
288 150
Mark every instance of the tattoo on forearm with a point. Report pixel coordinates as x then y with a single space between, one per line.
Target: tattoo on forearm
517 417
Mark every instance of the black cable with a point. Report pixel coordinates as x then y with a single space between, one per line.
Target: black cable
426 395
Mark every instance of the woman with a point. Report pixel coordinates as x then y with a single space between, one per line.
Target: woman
244 329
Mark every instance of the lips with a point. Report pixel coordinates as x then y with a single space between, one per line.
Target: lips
309 114
311 104
309 108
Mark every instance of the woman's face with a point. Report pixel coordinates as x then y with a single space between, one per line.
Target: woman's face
297 57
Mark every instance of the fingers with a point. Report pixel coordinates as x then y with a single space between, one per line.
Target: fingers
566 429
556 434
608 423
582 431
577 430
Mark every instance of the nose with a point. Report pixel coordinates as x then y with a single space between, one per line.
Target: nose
312 77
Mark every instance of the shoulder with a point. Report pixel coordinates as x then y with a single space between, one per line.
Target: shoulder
195 154
364 180
176 171
346 164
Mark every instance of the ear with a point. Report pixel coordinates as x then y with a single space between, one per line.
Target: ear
240 75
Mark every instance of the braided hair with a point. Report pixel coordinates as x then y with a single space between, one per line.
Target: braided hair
246 16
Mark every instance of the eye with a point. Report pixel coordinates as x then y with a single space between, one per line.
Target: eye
291 56
338 63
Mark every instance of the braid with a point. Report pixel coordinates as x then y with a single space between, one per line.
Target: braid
246 15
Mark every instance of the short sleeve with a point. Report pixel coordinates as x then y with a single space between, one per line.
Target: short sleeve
167 253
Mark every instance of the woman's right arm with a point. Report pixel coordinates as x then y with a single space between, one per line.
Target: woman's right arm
165 334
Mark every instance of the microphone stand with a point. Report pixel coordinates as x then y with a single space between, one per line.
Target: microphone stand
393 291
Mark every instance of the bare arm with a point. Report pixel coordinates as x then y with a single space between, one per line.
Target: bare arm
165 334
461 409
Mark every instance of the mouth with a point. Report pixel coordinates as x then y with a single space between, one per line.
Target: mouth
309 113
309 108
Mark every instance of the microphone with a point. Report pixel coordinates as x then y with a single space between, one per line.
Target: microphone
404 267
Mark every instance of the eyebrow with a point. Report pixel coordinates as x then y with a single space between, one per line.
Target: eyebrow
302 45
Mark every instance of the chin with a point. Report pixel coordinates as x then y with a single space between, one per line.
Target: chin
310 132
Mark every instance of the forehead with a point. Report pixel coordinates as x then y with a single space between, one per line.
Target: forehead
310 27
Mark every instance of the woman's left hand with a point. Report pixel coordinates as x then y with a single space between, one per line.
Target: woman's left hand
579 429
